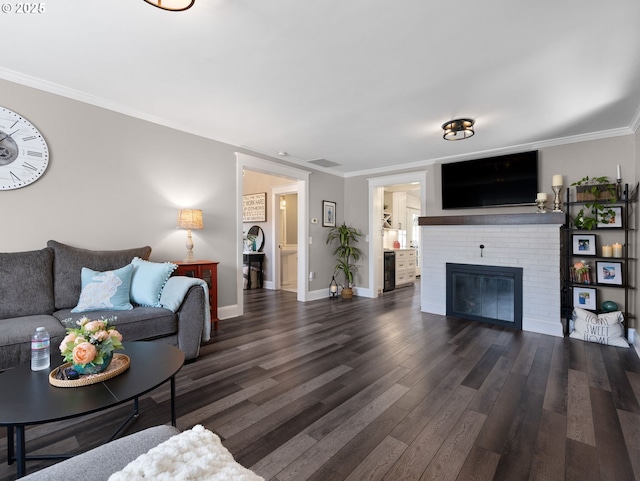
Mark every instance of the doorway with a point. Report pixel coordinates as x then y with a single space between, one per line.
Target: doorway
396 220
286 237
296 177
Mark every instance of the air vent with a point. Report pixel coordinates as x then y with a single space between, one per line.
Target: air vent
323 163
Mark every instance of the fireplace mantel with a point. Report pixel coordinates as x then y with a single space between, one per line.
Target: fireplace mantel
557 218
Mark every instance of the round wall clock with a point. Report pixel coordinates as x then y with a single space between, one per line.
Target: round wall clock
24 155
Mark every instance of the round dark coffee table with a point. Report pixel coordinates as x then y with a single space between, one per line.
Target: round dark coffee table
28 397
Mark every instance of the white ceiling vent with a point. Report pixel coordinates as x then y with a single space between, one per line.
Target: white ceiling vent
324 163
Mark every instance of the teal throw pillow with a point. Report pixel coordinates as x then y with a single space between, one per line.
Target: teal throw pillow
148 280
105 291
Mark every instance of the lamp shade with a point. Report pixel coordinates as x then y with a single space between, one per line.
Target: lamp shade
173 5
190 219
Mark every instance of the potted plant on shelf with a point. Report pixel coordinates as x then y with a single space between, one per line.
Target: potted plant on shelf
347 254
592 190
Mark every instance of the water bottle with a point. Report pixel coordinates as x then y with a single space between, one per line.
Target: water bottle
40 346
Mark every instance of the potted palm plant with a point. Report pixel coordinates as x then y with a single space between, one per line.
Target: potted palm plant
347 254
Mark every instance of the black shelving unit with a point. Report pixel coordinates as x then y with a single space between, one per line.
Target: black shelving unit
624 234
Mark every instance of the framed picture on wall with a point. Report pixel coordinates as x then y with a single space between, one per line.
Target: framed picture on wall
609 273
585 298
328 213
584 245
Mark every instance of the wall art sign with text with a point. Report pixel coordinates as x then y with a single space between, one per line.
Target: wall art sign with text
254 207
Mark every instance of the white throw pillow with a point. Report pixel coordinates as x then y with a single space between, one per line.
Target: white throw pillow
602 328
194 455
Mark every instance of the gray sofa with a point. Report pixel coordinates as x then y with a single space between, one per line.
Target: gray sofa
39 288
99 463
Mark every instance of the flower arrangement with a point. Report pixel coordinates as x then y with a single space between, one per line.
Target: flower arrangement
93 342
580 273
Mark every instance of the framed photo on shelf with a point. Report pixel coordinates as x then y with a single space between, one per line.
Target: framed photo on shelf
328 213
584 245
609 273
585 298
614 221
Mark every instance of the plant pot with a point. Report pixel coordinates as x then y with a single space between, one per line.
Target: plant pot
347 293
585 193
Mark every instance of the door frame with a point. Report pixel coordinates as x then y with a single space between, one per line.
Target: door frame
301 178
376 204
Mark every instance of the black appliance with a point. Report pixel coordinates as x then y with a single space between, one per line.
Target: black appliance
389 271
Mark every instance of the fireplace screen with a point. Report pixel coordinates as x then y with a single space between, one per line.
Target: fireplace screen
485 293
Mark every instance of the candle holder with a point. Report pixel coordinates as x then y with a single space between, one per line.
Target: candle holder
541 204
618 189
556 199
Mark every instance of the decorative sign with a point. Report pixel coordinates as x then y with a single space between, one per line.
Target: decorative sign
254 207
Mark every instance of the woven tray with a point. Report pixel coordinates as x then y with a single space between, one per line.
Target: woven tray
119 364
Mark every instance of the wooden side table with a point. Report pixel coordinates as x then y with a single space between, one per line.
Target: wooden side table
208 272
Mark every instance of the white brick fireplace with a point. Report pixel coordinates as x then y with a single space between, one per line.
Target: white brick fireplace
529 241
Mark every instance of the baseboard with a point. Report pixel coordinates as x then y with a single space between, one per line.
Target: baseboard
363 292
318 294
227 312
543 327
634 340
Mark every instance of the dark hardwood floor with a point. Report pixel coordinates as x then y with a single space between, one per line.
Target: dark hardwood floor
373 389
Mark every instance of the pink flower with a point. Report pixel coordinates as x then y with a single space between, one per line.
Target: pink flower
69 338
115 334
84 353
100 336
94 326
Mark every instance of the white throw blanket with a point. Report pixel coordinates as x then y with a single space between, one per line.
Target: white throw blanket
194 455
173 294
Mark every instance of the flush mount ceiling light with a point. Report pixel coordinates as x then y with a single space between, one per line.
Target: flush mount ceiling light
173 5
458 129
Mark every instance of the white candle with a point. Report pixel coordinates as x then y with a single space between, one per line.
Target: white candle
617 250
607 251
618 174
557 180
542 196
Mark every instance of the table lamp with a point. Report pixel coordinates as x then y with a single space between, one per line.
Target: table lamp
189 219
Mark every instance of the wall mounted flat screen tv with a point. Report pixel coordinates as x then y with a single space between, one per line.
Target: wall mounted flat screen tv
495 181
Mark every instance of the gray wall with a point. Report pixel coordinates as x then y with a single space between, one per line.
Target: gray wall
114 182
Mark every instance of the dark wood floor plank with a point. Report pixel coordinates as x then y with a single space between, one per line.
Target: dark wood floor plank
422 414
372 389
630 424
479 465
596 369
548 460
379 461
621 390
556 394
503 413
422 449
613 456
449 459
581 462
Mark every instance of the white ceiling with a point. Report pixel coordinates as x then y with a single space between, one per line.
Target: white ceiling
366 84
